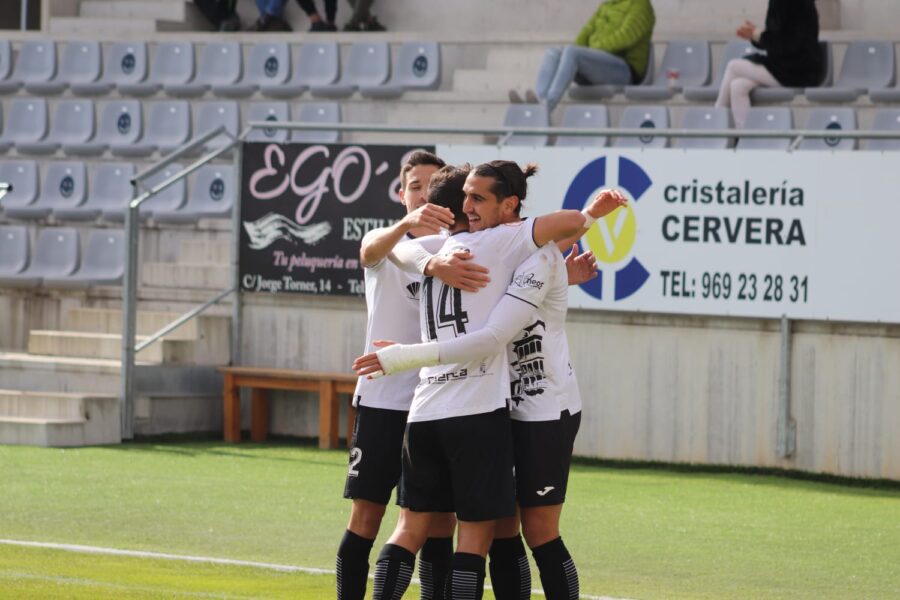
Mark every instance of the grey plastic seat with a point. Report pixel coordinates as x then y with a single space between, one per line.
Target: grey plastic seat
767 119
168 127
526 115
125 64
267 69
26 123
867 65
219 65
267 111
689 58
7 83
14 250
786 94
169 199
211 115
4 144
317 63
708 93
643 117
837 119
23 176
704 117
583 90
73 123
121 126
173 65
212 196
103 263
65 186
110 191
36 65
417 66
886 119
317 112
368 65
584 116
57 254
81 64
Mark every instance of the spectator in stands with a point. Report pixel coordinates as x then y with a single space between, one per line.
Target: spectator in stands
270 16
362 19
316 22
221 13
612 48
793 57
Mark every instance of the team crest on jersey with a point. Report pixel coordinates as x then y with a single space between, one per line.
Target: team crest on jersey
529 363
523 280
413 290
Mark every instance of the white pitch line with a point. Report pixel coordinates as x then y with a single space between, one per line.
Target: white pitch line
210 560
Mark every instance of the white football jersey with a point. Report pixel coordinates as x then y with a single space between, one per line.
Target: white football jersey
392 304
479 386
543 381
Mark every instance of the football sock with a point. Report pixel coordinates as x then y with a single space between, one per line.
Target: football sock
352 566
434 565
558 574
466 580
510 573
393 571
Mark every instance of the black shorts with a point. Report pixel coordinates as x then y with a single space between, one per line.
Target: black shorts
375 454
543 451
462 465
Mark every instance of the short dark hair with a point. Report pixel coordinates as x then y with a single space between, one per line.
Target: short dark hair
446 189
418 158
509 178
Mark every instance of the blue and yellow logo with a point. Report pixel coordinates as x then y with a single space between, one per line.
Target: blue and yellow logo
612 238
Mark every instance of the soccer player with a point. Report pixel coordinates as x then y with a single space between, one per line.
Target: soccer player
392 305
546 402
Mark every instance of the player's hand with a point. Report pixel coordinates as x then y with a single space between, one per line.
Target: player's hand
368 365
457 270
746 31
429 217
580 267
605 202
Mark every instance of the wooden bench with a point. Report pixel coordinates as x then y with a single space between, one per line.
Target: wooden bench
328 385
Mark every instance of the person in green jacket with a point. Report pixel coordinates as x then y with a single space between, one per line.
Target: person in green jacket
612 48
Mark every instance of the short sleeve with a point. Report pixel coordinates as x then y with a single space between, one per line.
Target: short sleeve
533 278
520 242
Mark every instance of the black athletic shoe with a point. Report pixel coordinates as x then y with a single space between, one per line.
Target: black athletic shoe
373 24
270 23
321 26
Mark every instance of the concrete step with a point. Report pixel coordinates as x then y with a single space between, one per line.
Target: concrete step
133 9
177 413
48 405
101 27
22 371
186 276
87 345
208 252
108 320
520 60
473 80
58 419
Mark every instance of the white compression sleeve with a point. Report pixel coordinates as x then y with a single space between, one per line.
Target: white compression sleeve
403 357
508 318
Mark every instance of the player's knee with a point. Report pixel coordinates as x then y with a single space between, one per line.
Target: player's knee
507 528
539 527
442 525
365 518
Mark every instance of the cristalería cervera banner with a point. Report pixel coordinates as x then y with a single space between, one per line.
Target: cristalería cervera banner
810 235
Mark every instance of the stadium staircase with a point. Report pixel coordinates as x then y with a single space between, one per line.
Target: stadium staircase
117 17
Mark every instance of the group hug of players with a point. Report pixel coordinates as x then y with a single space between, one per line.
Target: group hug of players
466 401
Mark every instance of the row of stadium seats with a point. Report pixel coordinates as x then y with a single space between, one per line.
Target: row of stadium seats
700 118
56 261
272 68
67 193
76 131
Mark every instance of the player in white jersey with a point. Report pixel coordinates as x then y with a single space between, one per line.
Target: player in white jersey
382 406
546 404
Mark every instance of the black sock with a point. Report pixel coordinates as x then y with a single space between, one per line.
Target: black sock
352 566
510 573
434 565
466 580
393 571
558 574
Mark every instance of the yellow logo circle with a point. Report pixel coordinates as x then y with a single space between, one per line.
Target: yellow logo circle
612 237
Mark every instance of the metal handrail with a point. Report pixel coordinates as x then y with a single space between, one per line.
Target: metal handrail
183 319
181 151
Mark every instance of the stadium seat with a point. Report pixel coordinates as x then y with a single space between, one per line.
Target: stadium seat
7 83
317 64
689 58
368 65
36 64
837 119
583 90
416 67
317 112
111 190
65 186
168 127
267 111
219 65
767 118
708 93
4 145
121 125
886 119
57 253
267 68
14 255
643 117
703 117
23 176
125 65
73 123
585 117
526 115
81 64
212 196
26 123
169 199
172 66
103 264
786 94
867 65
211 115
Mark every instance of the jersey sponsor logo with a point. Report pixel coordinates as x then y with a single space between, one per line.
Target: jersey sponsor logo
547 489
529 363
527 280
447 377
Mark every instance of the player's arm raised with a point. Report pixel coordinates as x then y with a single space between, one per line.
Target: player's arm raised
428 218
567 226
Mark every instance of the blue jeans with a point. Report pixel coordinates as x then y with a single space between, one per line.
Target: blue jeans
559 67
273 8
